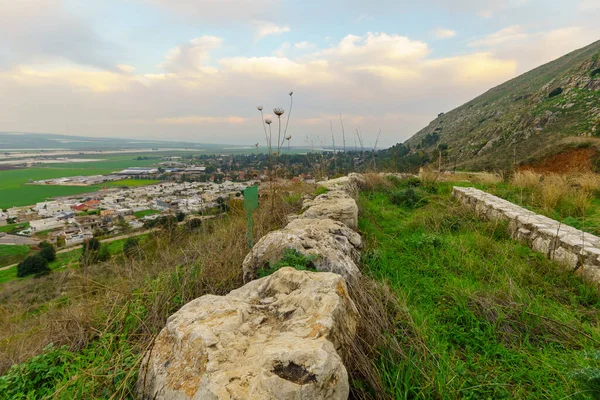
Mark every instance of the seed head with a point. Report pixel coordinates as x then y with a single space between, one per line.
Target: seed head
259 108
288 137
291 93
268 121
278 111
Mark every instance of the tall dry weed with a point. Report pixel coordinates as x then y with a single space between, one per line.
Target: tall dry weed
553 189
525 179
589 182
428 176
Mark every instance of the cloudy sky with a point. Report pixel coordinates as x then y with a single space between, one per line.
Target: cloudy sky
195 70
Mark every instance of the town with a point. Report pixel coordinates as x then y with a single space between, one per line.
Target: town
71 220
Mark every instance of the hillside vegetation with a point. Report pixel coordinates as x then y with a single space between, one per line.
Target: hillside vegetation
483 316
525 119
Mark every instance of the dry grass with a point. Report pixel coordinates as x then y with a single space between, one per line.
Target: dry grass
374 181
553 189
428 176
589 182
76 306
525 179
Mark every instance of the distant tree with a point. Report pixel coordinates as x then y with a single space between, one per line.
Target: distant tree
47 251
180 216
35 264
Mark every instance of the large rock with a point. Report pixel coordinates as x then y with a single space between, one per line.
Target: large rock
333 246
337 205
350 183
275 338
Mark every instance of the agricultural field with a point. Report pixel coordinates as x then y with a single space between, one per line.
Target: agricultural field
14 190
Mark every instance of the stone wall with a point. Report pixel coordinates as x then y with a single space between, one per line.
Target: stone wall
278 337
577 249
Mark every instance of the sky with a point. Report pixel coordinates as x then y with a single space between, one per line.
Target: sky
196 70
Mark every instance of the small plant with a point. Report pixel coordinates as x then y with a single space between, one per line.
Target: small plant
321 190
525 179
291 258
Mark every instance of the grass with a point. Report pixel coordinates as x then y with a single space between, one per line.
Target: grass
144 213
12 254
108 314
10 228
482 315
132 183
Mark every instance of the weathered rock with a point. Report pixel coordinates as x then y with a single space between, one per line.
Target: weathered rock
337 205
577 249
275 338
334 246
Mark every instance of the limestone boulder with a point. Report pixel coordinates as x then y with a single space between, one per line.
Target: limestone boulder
350 183
278 337
337 205
332 246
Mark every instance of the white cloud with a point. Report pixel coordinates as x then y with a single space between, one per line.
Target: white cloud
282 50
268 28
193 56
443 33
508 34
305 45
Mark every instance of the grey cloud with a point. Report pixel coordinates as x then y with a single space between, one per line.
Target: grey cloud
42 31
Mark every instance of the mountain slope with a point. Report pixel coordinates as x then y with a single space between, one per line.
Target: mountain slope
522 120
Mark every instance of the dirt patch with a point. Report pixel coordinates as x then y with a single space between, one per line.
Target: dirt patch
569 161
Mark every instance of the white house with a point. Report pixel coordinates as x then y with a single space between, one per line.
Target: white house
3 218
45 224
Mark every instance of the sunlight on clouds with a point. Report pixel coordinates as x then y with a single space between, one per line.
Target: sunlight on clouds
443 33
193 56
509 34
95 80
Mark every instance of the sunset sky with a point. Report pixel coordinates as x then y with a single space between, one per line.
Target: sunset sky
195 70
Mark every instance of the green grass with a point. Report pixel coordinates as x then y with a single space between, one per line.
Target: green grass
144 213
486 317
14 227
133 182
12 254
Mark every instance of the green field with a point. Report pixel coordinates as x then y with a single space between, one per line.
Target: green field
12 254
142 214
14 190
132 182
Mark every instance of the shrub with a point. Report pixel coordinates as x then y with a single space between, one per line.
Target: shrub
90 250
409 197
595 72
555 92
180 216
193 223
104 254
47 251
35 264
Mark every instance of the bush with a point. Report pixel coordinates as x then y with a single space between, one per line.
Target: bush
35 264
193 223
47 251
410 198
103 254
180 216
555 92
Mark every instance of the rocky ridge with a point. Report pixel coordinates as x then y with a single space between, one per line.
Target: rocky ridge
278 337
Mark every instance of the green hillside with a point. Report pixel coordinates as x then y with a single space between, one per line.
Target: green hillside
524 119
